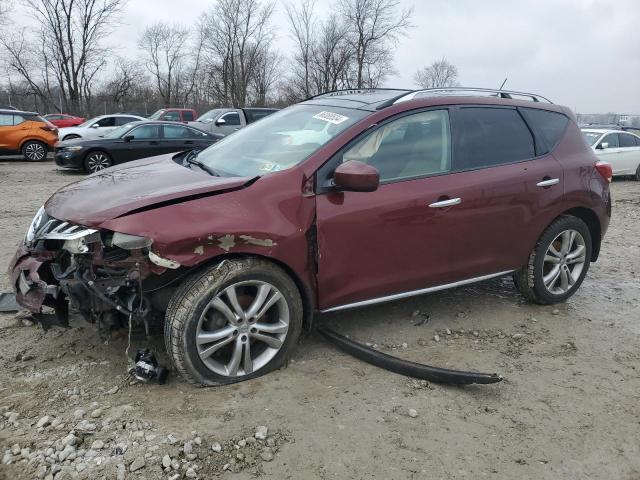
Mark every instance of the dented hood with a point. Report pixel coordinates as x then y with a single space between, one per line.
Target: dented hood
132 186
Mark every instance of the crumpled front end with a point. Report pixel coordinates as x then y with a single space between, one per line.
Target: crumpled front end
108 277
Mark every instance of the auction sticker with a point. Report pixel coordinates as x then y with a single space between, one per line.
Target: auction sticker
331 117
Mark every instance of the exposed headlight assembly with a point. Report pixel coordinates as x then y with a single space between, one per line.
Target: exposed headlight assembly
75 148
130 242
36 223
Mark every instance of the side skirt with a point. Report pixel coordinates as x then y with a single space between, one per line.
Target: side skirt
413 293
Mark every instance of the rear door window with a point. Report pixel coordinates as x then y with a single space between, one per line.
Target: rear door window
490 136
626 140
124 120
549 125
176 131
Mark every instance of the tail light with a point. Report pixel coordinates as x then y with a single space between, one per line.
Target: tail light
605 170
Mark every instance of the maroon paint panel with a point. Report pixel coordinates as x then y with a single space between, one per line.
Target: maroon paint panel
393 242
130 186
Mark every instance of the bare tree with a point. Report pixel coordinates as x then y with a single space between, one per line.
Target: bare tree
126 80
172 59
265 76
332 55
439 74
67 50
238 35
374 28
302 25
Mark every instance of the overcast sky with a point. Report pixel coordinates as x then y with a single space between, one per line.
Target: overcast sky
581 53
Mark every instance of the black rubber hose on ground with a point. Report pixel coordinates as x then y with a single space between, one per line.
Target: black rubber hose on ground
405 367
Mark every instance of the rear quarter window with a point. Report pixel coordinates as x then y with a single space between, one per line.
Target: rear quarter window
491 136
187 116
548 125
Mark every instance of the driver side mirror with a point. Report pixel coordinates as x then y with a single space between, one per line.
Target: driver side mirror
221 121
356 176
95 125
603 146
128 138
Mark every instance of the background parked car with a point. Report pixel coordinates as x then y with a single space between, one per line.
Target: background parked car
131 142
97 127
175 115
228 120
620 149
62 120
26 133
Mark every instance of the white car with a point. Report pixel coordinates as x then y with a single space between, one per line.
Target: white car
619 148
96 127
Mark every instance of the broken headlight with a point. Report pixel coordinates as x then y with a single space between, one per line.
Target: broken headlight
130 242
38 221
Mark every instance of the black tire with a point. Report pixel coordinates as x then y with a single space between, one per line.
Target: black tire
70 137
638 174
530 278
188 305
34 151
96 161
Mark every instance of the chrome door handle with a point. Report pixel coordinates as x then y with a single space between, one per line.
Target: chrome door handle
446 203
548 183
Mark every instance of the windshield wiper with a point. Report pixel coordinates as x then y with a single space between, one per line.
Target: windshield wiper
191 159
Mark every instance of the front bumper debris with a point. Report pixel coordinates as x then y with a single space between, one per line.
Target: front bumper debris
65 264
405 367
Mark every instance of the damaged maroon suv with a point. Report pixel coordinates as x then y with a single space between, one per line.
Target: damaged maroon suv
350 198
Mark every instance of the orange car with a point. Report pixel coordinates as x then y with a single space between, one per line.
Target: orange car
26 133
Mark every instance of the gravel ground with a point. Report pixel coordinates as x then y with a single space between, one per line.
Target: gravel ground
568 407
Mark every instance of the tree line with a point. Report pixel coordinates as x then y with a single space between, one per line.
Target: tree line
230 57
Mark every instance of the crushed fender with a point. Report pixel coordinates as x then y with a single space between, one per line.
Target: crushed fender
405 367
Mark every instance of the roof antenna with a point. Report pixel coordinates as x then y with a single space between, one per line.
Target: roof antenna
505 81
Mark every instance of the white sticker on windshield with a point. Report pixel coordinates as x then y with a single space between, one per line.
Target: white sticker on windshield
331 117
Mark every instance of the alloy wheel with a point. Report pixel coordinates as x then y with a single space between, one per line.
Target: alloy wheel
242 328
97 162
35 152
563 262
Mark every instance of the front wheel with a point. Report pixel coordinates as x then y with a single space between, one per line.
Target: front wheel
558 263
638 174
34 151
97 161
235 321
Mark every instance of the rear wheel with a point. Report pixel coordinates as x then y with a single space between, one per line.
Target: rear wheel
96 161
237 320
34 151
638 174
558 263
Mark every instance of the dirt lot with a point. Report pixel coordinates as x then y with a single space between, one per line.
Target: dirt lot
569 406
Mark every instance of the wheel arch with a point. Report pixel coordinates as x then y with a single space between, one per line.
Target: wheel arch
33 139
590 218
306 292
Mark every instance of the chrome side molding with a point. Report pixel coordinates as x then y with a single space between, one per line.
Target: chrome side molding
413 293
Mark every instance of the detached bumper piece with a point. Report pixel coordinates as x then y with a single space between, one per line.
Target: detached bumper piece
405 367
